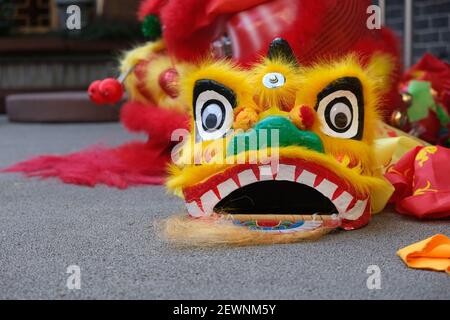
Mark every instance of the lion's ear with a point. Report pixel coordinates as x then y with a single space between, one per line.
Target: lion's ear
380 69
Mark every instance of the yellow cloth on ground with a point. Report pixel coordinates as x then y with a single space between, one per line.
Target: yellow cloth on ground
432 254
390 145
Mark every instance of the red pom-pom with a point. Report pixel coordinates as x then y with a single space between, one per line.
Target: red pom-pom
169 82
111 89
307 116
94 93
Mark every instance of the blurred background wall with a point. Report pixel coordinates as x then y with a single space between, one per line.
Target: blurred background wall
431 26
39 53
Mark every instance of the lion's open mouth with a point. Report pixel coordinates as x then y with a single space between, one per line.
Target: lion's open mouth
296 187
276 197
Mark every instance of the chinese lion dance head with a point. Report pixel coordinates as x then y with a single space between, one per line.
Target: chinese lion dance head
278 152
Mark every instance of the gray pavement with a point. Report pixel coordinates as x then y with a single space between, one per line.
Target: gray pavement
45 226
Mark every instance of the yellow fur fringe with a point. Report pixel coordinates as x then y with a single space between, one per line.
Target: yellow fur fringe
283 97
182 230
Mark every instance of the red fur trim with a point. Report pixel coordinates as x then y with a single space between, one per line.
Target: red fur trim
150 7
332 29
385 41
156 122
327 29
180 35
308 21
190 25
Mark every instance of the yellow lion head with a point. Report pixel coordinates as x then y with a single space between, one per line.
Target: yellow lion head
278 151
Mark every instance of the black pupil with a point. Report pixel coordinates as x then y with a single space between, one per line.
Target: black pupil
211 121
341 120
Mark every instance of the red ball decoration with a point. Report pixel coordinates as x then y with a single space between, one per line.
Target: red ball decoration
169 82
94 93
112 90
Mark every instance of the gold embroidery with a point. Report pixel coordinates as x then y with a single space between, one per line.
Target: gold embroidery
424 190
422 155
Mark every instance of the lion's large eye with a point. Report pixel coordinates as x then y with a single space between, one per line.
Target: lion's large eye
213 109
341 116
340 109
213 116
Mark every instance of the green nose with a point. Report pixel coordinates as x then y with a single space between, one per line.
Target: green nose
274 131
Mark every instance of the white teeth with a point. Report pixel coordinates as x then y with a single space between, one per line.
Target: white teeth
209 200
247 177
194 210
286 172
357 211
343 201
307 178
265 173
327 188
226 187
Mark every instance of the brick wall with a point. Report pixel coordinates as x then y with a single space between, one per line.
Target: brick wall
431 25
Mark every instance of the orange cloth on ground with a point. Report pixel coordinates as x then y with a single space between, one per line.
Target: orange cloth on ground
432 254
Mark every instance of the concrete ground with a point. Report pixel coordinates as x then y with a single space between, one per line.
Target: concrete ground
46 226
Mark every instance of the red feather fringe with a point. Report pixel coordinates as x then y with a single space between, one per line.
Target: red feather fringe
134 163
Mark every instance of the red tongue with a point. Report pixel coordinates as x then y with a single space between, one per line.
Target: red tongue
268 223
